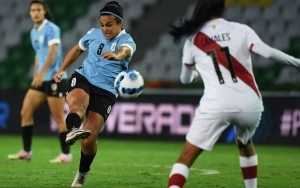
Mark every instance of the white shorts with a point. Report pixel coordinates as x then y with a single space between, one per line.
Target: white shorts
206 128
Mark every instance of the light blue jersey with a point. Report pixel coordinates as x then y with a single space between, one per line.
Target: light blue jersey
43 37
102 72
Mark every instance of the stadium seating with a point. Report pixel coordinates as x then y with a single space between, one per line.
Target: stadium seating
275 21
17 55
156 57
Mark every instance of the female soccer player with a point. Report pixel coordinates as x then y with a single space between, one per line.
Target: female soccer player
91 93
45 39
221 52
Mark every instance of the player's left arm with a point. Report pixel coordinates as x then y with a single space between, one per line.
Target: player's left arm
126 50
38 78
188 73
53 40
257 46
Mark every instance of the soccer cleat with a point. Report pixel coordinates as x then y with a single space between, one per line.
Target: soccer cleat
79 179
62 158
22 155
77 134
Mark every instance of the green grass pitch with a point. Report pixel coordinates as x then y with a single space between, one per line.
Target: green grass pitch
142 164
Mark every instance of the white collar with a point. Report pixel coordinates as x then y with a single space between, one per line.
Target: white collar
42 25
121 33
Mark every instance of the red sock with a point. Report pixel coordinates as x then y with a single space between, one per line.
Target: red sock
178 176
249 170
177 181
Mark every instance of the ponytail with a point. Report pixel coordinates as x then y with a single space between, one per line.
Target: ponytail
203 12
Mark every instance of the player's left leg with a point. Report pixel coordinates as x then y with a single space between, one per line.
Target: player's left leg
94 122
245 128
56 106
248 162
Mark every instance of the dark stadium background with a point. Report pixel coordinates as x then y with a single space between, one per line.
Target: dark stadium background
158 60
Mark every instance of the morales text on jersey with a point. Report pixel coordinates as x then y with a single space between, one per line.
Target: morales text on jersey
216 38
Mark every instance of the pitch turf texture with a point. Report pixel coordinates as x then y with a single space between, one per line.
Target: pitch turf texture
141 164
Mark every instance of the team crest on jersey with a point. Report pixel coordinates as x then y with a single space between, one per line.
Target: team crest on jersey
108 109
90 31
213 26
113 46
41 38
54 87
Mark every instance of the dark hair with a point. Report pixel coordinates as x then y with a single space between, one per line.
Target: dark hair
48 14
113 8
203 12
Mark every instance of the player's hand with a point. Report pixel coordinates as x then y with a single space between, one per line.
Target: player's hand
58 76
109 56
196 76
37 80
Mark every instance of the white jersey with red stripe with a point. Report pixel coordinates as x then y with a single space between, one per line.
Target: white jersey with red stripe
221 53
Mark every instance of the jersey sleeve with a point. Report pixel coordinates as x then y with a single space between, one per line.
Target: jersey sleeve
53 35
85 40
251 38
187 58
128 41
188 73
256 45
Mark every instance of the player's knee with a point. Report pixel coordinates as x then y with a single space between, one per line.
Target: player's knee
25 113
58 118
89 143
77 107
241 145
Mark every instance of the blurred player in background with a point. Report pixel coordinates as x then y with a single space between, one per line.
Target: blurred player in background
45 38
91 92
221 52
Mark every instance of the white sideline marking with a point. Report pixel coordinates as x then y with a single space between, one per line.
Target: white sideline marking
198 170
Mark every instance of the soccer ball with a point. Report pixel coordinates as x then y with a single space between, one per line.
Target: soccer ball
129 84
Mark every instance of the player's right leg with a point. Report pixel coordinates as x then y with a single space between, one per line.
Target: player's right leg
78 102
33 99
100 107
203 134
245 127
180 170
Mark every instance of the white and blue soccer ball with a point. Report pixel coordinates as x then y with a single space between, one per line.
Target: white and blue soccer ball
129 84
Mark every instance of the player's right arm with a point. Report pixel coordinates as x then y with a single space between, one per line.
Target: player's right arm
71 57
259 47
